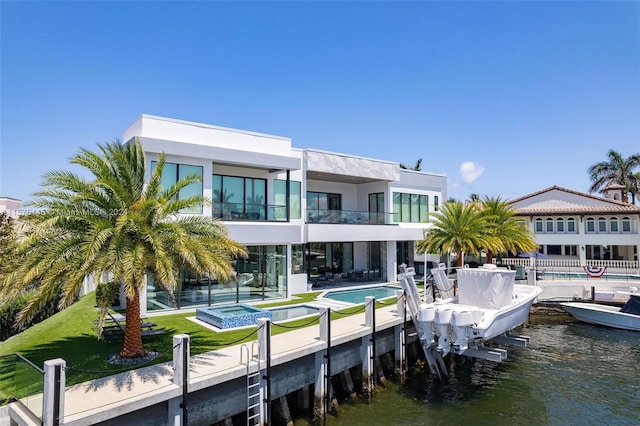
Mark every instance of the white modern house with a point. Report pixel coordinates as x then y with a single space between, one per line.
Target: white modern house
579 229
307 217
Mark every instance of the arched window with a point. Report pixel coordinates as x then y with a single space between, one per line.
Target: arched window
626 224
549 229
613 225
538 226
571 225
591 225
602 225
560 226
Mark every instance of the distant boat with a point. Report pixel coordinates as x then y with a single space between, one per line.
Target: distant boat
626 318
487 306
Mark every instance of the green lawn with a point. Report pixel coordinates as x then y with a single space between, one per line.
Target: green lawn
71 335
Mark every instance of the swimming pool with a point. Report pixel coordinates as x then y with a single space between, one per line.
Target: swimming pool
357 295
290 312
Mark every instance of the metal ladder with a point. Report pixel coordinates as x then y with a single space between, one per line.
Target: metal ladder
254 388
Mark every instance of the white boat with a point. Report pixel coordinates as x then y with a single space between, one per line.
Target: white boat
487 306
626 318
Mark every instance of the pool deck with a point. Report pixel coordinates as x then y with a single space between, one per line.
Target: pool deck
102 399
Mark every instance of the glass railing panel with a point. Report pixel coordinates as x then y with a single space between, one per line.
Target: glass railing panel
21 380
249 212
349 217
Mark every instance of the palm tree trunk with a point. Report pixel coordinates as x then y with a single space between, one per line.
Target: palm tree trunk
132 346
489 256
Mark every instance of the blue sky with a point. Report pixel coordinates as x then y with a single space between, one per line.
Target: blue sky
519 95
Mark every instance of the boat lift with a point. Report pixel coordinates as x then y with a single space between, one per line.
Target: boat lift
445 327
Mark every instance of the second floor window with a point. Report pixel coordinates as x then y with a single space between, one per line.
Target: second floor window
237 197
280 199
173 172
410 207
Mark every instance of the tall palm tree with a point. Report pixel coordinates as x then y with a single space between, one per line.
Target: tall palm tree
511 234
459 228
114 224
618 170
635 188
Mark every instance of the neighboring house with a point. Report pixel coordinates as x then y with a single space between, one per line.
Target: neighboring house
11 206
306 216
588 229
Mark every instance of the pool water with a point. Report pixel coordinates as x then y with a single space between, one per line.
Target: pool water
358 295
291 312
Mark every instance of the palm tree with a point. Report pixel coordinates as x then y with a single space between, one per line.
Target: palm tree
459 228
114 224
474 198
618 170
511 234
416 167
8 237
635 188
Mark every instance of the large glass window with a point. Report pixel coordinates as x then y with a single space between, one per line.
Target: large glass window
328 260
297 258
410 207
571 225
319 203
376 208
559 226
172 173
262 275
626 224
280 199
239 197
591 225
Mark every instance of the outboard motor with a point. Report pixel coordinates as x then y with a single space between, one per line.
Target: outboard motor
443 321
461 322
427 317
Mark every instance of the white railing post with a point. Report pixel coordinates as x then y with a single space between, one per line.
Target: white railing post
53 398
178 408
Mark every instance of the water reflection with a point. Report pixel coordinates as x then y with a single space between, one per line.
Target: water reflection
572 373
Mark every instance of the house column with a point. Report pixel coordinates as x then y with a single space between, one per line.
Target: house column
582 246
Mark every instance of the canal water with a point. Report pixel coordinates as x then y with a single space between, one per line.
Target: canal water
571 374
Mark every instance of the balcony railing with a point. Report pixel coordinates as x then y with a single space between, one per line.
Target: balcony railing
249 212
568 269
21 380
349 217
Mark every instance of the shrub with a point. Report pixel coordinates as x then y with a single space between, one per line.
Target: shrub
9 311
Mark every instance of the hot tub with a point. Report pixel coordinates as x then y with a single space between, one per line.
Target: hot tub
231 316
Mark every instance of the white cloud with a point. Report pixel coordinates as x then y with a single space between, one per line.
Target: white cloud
471 171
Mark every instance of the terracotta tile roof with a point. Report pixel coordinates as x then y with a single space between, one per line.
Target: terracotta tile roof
559 206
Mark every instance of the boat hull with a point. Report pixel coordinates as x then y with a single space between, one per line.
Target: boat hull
609 316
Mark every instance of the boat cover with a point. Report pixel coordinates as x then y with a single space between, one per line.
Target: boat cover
632 306
485 288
